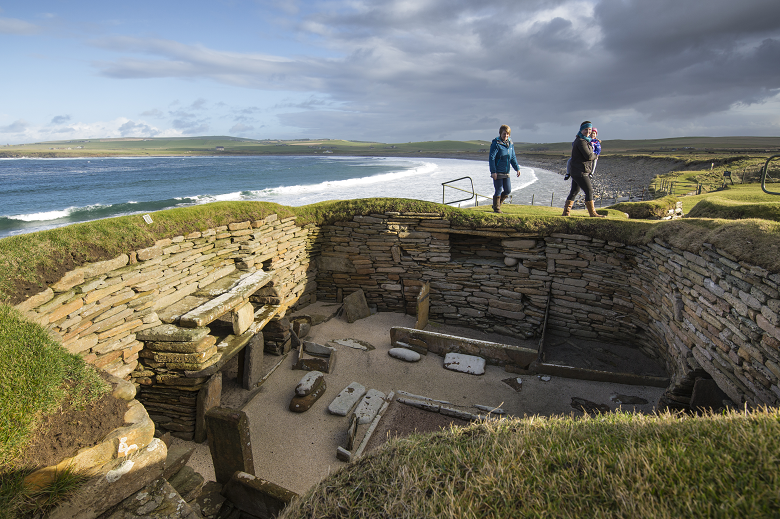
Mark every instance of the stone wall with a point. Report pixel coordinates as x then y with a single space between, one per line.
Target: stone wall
97 310
702 311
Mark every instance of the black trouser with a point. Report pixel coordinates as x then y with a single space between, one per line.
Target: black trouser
580 181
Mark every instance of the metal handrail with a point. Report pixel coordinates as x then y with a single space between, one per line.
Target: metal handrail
763 176
444 185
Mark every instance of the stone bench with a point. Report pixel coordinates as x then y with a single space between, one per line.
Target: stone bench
185 357
233 299
229 294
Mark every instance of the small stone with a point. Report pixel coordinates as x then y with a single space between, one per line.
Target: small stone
464 363
347 399
318 350
627 399
301 325
309 383
301 404
355 344
404 354
544 378
343 454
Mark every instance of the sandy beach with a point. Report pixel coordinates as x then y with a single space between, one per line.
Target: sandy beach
614 175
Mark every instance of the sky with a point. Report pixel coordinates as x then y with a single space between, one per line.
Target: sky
390 70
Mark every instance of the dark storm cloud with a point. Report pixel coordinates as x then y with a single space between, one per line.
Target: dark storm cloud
415 69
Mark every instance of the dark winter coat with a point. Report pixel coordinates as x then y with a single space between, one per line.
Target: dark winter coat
582 157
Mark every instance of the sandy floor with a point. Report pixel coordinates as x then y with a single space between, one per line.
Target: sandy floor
297 450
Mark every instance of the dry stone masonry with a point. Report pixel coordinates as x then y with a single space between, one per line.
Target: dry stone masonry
702 312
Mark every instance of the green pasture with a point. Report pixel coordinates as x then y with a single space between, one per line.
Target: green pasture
690 149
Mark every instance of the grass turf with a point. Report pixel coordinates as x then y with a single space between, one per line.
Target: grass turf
36 375
611 465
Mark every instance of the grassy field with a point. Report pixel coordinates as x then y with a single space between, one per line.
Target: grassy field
684 148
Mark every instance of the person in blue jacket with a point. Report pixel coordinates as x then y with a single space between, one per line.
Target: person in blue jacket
502 158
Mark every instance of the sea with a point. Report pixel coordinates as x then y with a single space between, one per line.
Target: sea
43 193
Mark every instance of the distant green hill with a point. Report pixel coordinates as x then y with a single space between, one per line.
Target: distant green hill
223 145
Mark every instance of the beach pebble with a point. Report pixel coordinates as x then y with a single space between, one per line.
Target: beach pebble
404 354
309 383
345 400
367 409
465 363
544 378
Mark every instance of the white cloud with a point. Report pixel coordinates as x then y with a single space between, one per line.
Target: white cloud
14 26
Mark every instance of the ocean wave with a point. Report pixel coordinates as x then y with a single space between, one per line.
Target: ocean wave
92 212
346 185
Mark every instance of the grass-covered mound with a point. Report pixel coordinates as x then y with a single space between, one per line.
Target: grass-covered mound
36 376
612 465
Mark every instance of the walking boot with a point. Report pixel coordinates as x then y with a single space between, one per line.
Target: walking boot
567 207
592 209
496 208
502 200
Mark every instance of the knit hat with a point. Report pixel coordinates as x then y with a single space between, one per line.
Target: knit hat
595 131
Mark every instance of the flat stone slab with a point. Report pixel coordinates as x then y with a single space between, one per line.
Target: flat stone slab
309 383
346 400
355 344
172 333
183 347
256 496
318 350
367 409
441 344
220 286
245 286
465 363
404 354
172 313
226 350
355 306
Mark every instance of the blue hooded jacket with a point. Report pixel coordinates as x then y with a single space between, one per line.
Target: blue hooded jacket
502 156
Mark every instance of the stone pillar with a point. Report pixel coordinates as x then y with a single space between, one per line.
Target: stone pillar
229 442
209 397
250 362
423 304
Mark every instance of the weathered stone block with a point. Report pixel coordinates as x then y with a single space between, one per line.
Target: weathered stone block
256 496
355 306
242 318
301 404
229 442
250 362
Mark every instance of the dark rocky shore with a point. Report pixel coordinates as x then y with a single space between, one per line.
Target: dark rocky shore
614 176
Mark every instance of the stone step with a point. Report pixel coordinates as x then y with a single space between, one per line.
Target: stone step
187 483
157 499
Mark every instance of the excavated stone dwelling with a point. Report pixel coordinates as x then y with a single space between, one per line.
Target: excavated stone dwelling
702 313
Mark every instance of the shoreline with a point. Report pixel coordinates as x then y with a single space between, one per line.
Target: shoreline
615 176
